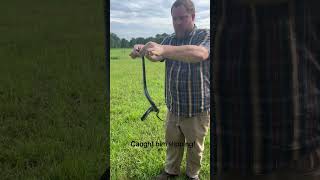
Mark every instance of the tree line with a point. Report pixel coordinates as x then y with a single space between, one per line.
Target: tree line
116 42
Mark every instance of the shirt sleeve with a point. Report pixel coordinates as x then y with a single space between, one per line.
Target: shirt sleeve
204 39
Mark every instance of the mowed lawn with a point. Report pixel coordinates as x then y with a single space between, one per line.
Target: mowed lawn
127 105
52 90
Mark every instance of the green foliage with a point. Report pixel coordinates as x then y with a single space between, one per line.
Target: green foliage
116 42
126 107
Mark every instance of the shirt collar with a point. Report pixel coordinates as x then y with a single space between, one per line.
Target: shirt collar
193 30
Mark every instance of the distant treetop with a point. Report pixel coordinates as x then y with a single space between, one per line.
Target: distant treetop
116 42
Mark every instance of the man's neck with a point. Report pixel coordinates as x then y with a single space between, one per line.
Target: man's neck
187 33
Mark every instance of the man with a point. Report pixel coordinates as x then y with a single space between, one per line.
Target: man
187 92
266 75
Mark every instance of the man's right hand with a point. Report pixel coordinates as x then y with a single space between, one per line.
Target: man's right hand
154 58
135 51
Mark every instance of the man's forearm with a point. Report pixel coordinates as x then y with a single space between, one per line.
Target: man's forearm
186 53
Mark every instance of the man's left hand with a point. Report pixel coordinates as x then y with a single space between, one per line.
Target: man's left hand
152 48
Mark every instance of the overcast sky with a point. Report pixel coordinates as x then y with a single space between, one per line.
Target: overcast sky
145 18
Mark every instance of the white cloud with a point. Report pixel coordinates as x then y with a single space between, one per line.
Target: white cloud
145 18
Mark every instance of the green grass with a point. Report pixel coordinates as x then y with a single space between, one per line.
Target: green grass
126 107
52 90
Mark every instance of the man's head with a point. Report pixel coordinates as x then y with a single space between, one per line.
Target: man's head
183 16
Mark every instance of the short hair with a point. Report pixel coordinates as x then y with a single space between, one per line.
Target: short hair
188 4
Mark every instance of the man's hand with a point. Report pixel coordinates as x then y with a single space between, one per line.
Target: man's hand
152 48
152 51
154 58
135 51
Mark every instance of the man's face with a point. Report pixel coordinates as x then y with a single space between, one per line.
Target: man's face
182 21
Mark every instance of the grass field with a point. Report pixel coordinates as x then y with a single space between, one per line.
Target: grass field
126 107
52 90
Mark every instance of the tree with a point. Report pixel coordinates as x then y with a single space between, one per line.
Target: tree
132 42
124 43
116 42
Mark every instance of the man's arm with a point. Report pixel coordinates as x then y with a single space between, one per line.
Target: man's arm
193 53
186 53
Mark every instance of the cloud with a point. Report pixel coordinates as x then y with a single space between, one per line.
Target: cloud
145 18
129 31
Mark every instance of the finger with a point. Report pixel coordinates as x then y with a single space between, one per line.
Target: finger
156 58
135 51
134 55
131 54
154 51
149 53
142 52
151 58
136 47
145 48
148 57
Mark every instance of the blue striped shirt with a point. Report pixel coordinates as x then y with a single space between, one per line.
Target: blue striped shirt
187 85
